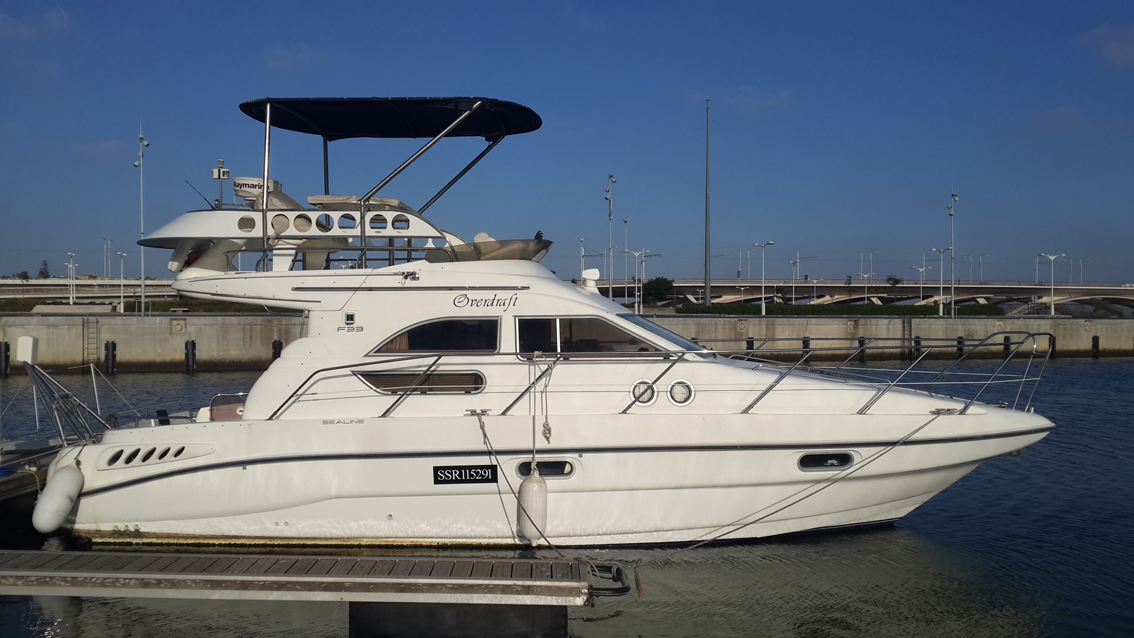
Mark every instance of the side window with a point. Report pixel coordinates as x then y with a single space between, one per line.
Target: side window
446 335
596 335
433 383
536 335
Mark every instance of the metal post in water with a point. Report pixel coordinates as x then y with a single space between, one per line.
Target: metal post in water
708 265
98 408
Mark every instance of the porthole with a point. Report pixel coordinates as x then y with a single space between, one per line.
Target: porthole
163 454
324 223
148 454
681 392
401 222
179 451
377 222
643 392
131 456
114 458
302 223
826 461
547 469
246 224
347 222
280 224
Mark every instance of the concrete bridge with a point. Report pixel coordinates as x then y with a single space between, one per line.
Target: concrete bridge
86 290
1027 297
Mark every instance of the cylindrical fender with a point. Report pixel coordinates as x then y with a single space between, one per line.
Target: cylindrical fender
57 499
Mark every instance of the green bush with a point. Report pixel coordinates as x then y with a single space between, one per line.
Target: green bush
849 310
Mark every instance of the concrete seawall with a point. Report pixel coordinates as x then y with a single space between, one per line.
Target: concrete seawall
244 342
157 342
1073 337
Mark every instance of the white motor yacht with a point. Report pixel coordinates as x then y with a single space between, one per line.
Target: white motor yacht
453 392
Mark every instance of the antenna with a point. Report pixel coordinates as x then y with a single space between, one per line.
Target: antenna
202 196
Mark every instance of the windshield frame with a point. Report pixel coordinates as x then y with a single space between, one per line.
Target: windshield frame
681 342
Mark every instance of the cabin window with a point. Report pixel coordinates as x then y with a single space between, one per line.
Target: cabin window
537 335
825 461
433 383
446 335
595 335
547 469
575 334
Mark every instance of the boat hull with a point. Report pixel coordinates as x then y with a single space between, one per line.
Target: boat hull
360 493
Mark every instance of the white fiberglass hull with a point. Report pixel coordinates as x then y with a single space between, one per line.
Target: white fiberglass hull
372 481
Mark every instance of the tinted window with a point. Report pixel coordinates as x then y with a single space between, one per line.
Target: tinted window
446 335
433 383
596 335
536 335
828 461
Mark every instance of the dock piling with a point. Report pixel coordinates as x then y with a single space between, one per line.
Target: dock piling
5 360
277 348
190 357
110 357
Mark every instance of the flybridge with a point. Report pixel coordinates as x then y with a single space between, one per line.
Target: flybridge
381 230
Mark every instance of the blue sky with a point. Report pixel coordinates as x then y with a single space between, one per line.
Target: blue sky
836 127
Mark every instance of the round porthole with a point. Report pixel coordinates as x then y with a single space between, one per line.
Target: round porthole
246 224
378 222
280 224
324 223
680 392
401 222
347 222
643 392
302 223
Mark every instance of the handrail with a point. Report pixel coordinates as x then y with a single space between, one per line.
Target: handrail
531 385
405 393
301 386
772 385
638 396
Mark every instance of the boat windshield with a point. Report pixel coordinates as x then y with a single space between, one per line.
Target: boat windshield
669 336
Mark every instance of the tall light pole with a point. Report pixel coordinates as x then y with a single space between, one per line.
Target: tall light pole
872 265
941 284
71 279
952 260
981 259
121 282
708 255
739 262
626 242
610 237
763 303
582 266
140 164
921 278
1052 258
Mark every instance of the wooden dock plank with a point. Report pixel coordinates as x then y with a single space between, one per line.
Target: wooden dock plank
462 569
59 561
502 569
11 557
382 567
159 565
323 566
442 569
422 568
180 563
343 566
99 563
200 565
522 570
221 565
281 566
362 567
403 567
560 570
261 565
138 564
120 562
241 565
541 570
301 567
482 569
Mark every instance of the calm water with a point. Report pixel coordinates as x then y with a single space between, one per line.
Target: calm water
1039 545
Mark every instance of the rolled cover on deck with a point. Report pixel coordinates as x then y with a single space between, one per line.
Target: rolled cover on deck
337 118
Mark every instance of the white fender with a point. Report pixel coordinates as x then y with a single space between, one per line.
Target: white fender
533 500
58 497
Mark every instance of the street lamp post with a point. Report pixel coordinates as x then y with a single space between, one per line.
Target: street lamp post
1052 258
763 303
739 262
610 237
952 260
921 279
941 282
121 283
140 164
71 279
626 242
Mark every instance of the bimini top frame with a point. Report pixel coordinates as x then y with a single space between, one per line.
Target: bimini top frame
347 118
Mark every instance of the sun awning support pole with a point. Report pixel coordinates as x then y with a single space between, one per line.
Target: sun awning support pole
460 175
262 265
326 170
398 171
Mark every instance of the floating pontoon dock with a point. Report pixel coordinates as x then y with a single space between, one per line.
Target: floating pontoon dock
531 593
